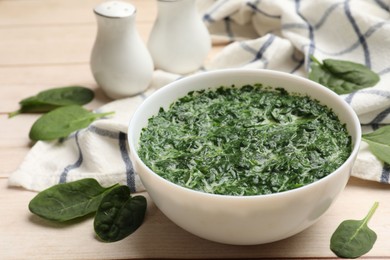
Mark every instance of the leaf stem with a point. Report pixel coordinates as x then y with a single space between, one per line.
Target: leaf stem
15 113
314 59
106 113
371 212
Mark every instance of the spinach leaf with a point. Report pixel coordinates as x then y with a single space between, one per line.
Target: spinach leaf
342 76
379 143
62 121
119 214
67 201
353 238
53 98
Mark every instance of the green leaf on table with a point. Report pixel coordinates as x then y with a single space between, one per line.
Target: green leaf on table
379 143
67 201
119 214
62 121
342 76
50 99
353 238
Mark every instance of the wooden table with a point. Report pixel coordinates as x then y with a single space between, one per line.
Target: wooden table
47 43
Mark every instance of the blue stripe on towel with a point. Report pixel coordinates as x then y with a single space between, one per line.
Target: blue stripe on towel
208 16
377 92
374 28
310 31
318 25
264 47
77 164
122 137
384 71
254 7
247 48
288 26
349 98
103 132
326 14
299 65
385 176
381 116
258 54
130 178
383 5
361 38
354 45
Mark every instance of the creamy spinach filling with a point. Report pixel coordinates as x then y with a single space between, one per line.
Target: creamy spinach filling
244 141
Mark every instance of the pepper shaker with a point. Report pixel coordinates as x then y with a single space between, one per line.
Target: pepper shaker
120 62
179 41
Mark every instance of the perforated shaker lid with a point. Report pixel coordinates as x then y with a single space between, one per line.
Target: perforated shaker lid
115 9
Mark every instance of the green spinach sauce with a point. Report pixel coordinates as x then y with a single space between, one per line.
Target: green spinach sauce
244 141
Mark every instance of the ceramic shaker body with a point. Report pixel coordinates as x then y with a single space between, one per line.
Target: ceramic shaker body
179 41
120 62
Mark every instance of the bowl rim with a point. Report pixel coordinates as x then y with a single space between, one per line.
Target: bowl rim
350 160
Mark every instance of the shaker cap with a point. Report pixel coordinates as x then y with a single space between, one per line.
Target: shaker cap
115 9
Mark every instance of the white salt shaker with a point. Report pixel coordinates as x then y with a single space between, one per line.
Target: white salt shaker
179 41
120 62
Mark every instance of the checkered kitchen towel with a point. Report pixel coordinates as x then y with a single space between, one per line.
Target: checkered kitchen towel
264 34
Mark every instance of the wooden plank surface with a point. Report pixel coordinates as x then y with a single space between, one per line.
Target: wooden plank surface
47 43
23 234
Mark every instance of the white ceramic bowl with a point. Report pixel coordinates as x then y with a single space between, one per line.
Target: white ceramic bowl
243 220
